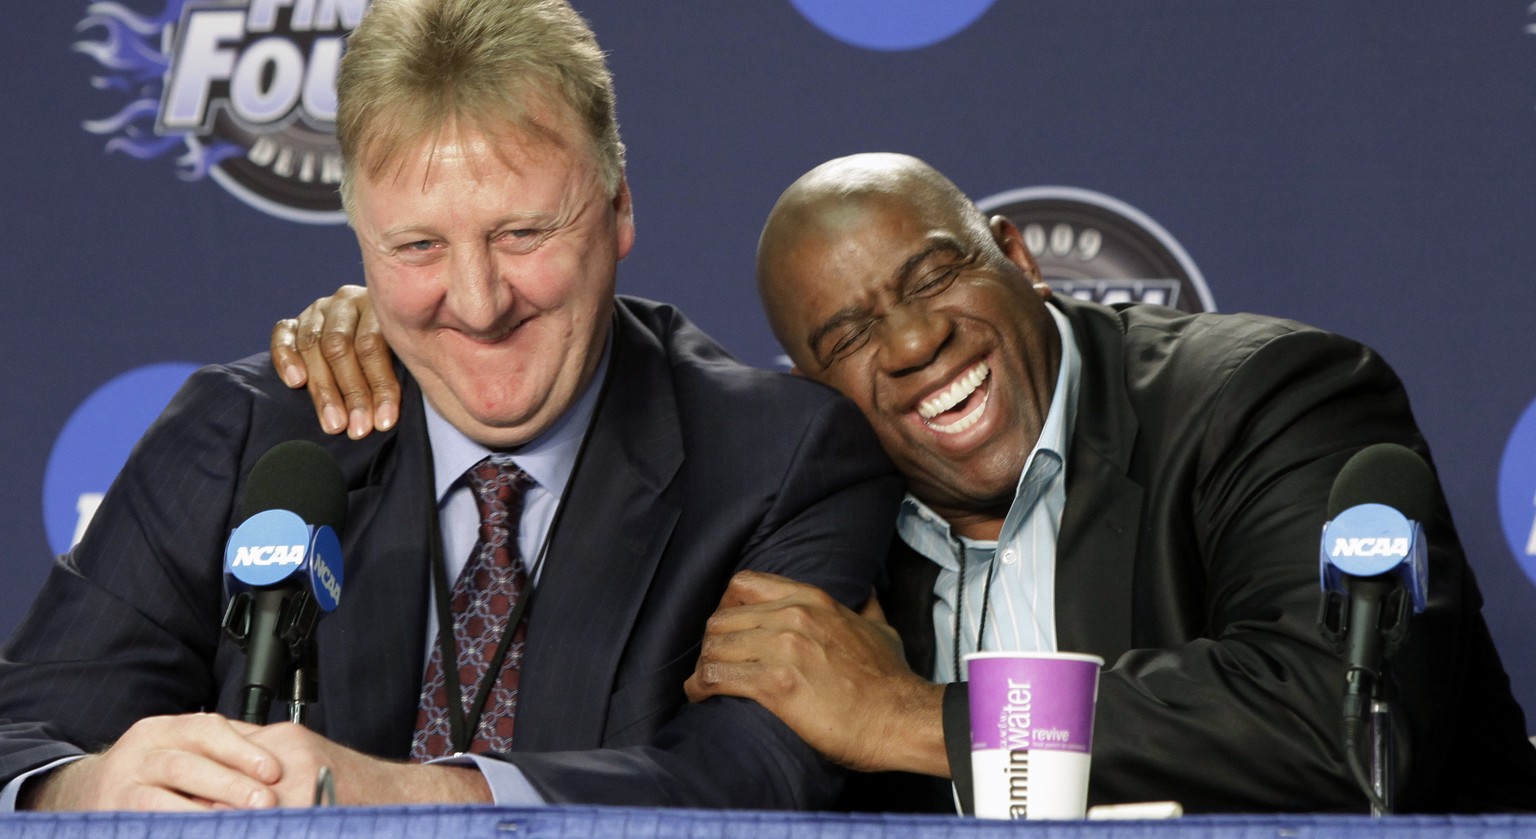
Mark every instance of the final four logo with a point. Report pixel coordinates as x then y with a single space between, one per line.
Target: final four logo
243 90
1099 248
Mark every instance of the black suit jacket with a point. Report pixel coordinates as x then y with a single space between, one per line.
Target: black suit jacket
695 467
1204 450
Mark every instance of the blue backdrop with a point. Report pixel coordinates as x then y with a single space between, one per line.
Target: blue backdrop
1366 167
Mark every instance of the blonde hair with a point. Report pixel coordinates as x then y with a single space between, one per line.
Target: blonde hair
413 66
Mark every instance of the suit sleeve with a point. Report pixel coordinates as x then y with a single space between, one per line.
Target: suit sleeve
1243 713
127 622
829 525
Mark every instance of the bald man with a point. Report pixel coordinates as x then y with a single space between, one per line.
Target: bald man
1134 482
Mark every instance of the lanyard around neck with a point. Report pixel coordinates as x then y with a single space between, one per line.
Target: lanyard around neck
986 600
461 726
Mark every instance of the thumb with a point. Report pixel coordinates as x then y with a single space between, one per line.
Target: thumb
872 611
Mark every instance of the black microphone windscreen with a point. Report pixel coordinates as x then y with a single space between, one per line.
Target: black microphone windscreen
302 478
1388 474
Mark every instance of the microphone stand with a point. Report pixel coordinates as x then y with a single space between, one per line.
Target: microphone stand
1382 756
1367 624
303 684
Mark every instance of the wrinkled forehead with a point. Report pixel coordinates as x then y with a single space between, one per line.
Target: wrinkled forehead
480 153
525 127
868 235
841 254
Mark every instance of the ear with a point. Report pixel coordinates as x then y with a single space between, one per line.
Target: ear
623 218
1011 241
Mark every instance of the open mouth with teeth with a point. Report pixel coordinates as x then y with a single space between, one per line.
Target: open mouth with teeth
959 406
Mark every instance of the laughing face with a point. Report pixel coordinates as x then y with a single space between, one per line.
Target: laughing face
490 261
933 323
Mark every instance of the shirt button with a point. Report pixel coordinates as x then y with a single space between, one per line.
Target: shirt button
1009 556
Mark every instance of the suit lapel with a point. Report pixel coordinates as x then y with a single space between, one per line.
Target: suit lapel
1096 549
369 695
1095 558
613 527
907 599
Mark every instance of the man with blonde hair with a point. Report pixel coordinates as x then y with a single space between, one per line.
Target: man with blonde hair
568 480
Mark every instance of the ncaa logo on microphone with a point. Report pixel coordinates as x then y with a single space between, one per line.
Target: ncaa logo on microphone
1367 539
1517 491
273 545
1095 247
325 568
267 547
242 92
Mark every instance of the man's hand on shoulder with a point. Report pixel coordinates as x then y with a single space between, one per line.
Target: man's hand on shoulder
335 348
186 762
837 677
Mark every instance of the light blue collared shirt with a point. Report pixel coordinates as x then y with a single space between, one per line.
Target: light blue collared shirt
1020 612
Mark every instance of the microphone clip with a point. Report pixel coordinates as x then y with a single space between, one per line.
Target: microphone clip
297 614
1333 617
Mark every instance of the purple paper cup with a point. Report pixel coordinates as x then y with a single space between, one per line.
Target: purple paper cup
1032 733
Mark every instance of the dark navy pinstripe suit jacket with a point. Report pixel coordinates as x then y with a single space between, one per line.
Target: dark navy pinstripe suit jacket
696 467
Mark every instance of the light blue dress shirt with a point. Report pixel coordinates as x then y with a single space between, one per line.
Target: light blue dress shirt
1020 607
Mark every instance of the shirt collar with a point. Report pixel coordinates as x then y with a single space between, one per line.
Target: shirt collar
548 458
1056 435
919 525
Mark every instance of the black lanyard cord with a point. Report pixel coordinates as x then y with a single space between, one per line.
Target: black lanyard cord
461 730
986 600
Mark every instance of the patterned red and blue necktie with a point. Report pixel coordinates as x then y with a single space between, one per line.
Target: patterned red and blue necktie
484 594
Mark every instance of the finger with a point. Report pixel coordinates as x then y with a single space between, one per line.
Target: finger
336 350
322 385
285 353
749 587
739 663
310 323
695 688
750 644
378 368
231 743
327 399
745 679
872 611
201 756
349 342
303 752
150 799
208 780
772 614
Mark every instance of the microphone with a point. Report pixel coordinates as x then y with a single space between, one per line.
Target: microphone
1374 567
283 569
1374 556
